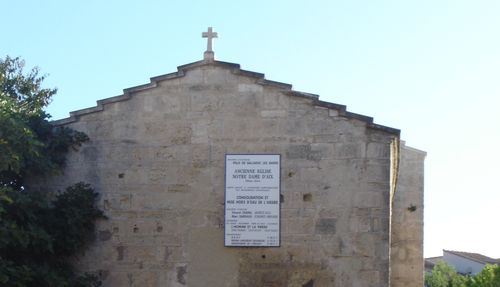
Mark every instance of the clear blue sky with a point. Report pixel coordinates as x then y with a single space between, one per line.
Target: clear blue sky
429 68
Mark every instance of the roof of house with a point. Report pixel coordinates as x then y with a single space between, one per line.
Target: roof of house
474 256
434 259
431 261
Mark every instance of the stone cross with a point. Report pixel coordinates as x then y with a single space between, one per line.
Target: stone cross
209 53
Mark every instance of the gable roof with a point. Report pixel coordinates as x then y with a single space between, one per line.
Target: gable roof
430 262
235 69
475 257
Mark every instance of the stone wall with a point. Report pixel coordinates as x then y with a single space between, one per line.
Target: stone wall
156 156
407 262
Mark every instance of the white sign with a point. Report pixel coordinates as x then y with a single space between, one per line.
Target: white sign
252 207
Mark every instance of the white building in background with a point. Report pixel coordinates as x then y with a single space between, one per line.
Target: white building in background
464 262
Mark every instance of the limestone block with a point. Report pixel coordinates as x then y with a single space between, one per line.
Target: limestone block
378 150
129 153
368 199
200 130
160 200
273 100
244 105
377 172
219 76
301 278
172 103
303 225
291 194
331 212
204 245
333 113
298 252
178 188
321 124
322 151
302 151
140 254
90 153
293 126
178 275
346 246
360 224
192 77
327 248
349 150
382 248
119 279
169 153
267 126
249 88
273 113
175 254
198 218
170 239
370 278
326 226
300 104
152 226
327 138
321 112
363 244
115 201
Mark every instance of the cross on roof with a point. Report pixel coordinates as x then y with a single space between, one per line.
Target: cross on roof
209 53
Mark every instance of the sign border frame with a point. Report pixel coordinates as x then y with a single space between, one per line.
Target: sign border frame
279 200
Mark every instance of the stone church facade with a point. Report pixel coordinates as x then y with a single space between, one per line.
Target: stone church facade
351 191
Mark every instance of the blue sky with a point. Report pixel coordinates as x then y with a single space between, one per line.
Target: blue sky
429 68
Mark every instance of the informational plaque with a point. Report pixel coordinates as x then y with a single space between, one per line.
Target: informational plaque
252 195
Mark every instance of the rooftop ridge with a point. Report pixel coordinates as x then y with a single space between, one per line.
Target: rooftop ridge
235 69
474 256
419 151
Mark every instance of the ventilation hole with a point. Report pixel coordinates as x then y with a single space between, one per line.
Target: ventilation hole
307 197
282 198
309 283
136 229
121 175
263 256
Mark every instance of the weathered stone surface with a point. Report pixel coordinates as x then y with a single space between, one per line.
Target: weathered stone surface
407 266
326 226
156 156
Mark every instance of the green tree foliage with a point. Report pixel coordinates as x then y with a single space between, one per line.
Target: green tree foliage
29 144
443 275
488 277
39 234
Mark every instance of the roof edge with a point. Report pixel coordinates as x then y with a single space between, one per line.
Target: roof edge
416 150
464 255
235 69
368 120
